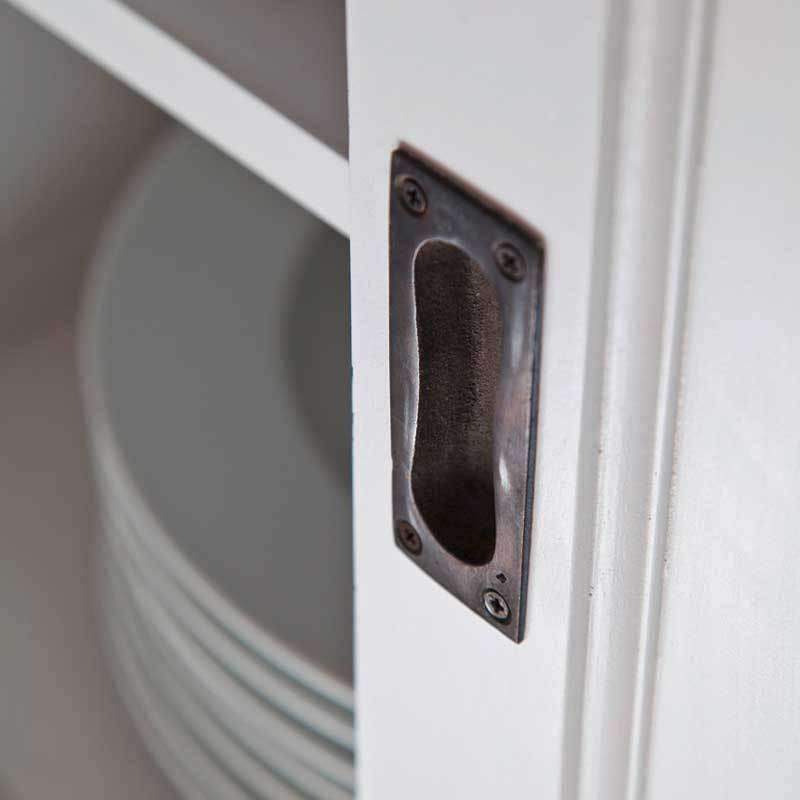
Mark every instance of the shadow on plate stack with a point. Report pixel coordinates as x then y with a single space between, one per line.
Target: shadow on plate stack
215 360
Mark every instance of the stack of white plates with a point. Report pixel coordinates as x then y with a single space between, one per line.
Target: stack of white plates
215 361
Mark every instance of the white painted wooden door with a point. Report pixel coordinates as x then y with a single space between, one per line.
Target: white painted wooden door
655 146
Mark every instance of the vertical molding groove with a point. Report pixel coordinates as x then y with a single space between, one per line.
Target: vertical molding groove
587 493
657 61
687 178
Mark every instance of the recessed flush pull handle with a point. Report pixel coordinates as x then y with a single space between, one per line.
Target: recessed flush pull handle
465 326
459 336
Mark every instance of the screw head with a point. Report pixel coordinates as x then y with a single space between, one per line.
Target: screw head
496 606
409 539
510 261
412 195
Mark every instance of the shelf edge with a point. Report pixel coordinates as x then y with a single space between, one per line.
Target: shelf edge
204 99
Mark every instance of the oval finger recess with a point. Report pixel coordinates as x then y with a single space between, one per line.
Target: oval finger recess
465 316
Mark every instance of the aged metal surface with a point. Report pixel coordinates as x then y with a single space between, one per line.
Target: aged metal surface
485 568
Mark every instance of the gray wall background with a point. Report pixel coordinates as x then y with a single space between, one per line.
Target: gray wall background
68 137
69 134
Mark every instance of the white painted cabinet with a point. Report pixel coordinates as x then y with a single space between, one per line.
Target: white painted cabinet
725 713
654 145
655 148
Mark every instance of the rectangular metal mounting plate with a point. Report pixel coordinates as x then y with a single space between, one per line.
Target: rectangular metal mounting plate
426 206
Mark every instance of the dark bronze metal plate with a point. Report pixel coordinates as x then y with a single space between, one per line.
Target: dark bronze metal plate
465 313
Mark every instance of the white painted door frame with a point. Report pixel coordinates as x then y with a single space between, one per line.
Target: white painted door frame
589 120
653 144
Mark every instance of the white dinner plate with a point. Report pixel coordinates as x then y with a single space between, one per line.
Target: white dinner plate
216 369
191 770
292 699
264 769
295 752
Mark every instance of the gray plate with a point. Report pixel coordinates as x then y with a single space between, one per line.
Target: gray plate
181 683
220 357
262 681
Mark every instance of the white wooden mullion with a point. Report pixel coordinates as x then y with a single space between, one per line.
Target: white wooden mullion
688 163
659 107
508 97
